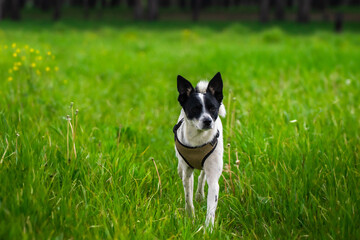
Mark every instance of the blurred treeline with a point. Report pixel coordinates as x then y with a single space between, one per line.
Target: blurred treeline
263 10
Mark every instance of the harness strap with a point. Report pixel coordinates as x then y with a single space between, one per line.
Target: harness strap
195 157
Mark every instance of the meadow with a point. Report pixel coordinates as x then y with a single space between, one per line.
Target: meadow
86 117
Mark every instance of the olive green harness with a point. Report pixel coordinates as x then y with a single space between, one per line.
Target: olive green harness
194 156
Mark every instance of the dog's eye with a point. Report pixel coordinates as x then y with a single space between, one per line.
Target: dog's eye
212 109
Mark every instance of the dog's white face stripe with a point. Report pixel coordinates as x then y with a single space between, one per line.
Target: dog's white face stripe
200 122
205 114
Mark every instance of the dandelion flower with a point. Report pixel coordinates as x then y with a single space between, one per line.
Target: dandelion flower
13 45
38 72
10 79
47 69
37 51
15 68
56 69
31 50
26 46
10 70
49 53
14 54
33 65
18 50
39 58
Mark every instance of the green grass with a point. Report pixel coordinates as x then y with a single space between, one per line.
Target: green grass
292 97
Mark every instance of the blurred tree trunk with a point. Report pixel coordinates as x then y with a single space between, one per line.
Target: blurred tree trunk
153 6
92 3
15 10
183 4
196 9
138 10
264 10
325 13
291 3
114 3
86 8
217 2
102 8
280 9
57 9
339 22
43 4
1 9
339 17
304 7
173 3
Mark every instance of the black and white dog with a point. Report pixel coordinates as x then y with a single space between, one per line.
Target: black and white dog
199 141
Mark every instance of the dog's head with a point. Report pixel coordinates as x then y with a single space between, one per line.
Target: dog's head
201 105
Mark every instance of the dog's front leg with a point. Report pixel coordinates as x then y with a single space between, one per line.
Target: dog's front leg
188 182
200 195
212 198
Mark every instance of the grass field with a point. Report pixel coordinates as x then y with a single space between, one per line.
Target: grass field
292 94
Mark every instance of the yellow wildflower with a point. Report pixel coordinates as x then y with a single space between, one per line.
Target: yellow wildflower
14 54
47 69
10 79
56 68
18 50
33 65
39 58
37 51
49 53
13 45
38 72
15 68
26 46
31 50
10 70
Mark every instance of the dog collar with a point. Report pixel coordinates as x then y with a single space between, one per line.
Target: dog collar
195 157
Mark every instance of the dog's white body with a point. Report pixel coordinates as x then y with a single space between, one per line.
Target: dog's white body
189 134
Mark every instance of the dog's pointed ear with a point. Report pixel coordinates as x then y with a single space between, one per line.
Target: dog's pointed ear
215 87
184 88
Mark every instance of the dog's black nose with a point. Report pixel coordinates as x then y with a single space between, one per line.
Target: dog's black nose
207 123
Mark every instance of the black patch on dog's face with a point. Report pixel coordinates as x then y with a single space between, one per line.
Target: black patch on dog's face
211 105
193 107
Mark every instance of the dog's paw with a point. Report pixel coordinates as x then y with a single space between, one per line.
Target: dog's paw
209 223
199 197
190 211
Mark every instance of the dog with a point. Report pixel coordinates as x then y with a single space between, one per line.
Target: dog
199 141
